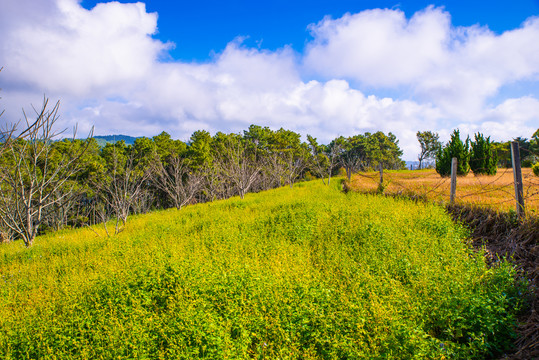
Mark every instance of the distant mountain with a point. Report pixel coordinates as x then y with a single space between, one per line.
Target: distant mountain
102 140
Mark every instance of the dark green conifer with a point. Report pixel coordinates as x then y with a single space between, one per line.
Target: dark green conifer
454 148
483 158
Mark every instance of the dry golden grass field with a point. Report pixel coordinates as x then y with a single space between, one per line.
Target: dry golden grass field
496 191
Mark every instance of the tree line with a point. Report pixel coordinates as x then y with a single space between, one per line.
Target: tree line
47 183
480 155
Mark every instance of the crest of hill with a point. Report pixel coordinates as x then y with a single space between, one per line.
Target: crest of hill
102 140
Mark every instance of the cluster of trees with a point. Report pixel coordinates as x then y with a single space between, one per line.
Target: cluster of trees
529 151
46 183
483 156
478 156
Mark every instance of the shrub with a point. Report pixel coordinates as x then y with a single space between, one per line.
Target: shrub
483 158
454 148
526 163
535 169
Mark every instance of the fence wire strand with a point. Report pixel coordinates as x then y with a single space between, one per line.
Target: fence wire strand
495 191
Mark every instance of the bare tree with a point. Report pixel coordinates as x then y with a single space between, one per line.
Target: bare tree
353 156
295 163
286 164
34 175
351 163
123 187
273 171
60 215
7 132
324 157
213 186
177 180
333 153
318 160
145 201
239 164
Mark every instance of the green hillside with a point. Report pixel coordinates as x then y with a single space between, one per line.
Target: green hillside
302 273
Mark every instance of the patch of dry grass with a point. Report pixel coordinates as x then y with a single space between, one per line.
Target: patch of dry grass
495 192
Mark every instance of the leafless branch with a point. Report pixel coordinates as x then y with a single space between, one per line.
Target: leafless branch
37 178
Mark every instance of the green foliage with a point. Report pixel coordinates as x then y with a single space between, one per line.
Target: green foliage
483 158
199 150
529 151
261 137
534 143
384 149
527 158
307 273
503 153
429 143
531 154
208 168
535 169
115 155
354 153
455 148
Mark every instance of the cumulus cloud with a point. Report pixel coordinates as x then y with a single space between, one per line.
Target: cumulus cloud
81 52
455 68
106 67
513 116
382 47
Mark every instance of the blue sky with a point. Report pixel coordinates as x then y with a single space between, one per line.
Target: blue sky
316 67
200 28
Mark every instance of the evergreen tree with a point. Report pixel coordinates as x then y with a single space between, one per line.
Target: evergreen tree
454 148
483 158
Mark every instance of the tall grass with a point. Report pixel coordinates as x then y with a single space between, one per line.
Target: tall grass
307 273
495 192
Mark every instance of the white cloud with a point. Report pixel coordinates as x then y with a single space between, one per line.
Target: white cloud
77 51
512 118
380 48
104 66
457 69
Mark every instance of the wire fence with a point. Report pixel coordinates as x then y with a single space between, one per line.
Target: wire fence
494 191
498 236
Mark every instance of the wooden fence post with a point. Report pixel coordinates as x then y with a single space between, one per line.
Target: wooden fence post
517 176
381 184
453 180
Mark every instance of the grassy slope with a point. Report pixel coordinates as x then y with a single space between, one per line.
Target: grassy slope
307 272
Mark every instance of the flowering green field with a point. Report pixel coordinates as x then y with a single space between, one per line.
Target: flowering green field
308 272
